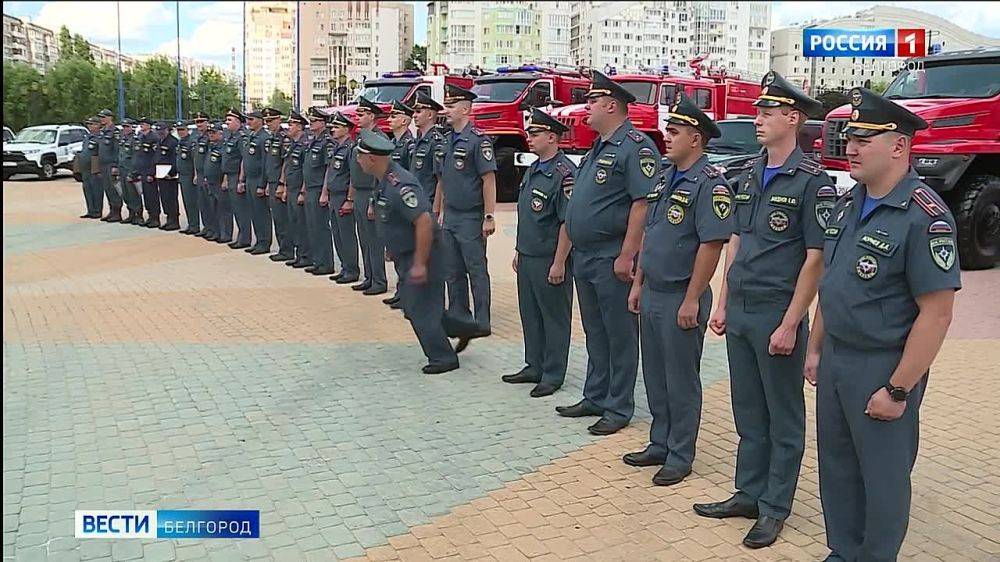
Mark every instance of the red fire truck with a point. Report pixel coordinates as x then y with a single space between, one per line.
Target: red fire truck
958 94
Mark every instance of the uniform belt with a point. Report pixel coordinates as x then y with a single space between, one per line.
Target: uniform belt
666 286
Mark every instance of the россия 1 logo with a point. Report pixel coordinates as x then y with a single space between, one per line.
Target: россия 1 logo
818 42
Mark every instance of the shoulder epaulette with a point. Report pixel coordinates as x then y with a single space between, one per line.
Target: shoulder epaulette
636 136
928 201
810 166
749 164
393 179
563 169
711 171
477 131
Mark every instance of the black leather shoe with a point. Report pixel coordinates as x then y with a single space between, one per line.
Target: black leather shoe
170 226
668 476
137 220
522 376
106 217
226 241
463 342
438 369
278 257
203 234
86 216
290 261
336 276
543 389
372 291
604 427
311 269
113 217
644 457
301 264
321 270
347 280
733 507
238 246
362 286
579 410
187 231
212 238
764 532
390 300
152 224
398 305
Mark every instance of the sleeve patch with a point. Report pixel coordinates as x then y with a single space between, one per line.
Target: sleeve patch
645 151
408 196
486 147
927 201
827 191
720 190
939 227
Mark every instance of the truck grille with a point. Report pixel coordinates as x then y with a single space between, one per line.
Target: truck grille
13 156
834 143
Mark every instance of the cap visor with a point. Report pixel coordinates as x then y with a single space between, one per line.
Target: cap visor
860 132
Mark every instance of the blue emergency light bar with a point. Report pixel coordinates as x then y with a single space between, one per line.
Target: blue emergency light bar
522 68
403 74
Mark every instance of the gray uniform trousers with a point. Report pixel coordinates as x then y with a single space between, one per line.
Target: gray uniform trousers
465 248
864 463
546 317
423 306
345 237
612 336
189 195
671 371
240 203
224 210
168 198
768 405
260 215
279 216
208 206
372 247
92 194
297 225
151 196
130 193
318 230
109 185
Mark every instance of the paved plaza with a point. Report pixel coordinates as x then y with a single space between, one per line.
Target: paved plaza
149 370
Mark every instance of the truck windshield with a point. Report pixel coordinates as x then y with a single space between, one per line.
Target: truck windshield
386 93
499 91
39 136
979 79
643 91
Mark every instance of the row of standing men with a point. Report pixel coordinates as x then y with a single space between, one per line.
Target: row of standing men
641 240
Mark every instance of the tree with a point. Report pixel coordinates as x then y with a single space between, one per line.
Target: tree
24 103
65 43
153 89
81 48
213 93
831 99
70 88
417 59
280 101
879 86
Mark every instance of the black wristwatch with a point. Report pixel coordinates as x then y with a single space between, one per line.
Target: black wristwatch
897 393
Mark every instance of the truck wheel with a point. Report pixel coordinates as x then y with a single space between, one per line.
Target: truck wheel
508 175
48 170
978 220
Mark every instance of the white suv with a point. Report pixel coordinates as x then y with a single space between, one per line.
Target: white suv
42 150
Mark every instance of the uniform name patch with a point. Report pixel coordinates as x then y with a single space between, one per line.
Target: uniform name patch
884 247
682 197
743 197
784 201
831 232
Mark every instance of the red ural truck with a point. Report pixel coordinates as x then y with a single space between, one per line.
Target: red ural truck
958 94
502 106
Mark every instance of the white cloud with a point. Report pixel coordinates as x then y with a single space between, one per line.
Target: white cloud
97 21
978 17
219 11
212 41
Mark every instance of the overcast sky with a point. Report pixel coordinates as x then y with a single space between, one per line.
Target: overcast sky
210 30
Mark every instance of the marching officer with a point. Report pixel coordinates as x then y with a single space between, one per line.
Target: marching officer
233 203
258 210
292 193
338 183
274 161
212 176
187 152
400 117
410 237
107 176
317 195
604 220
428 144
144 171
688 220
206 201
91 196
773 265
465 203
166 154
544 290
885 303
359 199
126 157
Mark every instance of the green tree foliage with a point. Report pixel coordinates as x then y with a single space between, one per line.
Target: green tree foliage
417 59
213 94
280 101
153 90
24 102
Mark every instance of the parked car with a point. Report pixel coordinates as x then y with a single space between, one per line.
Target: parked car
7 134
42 150
738 143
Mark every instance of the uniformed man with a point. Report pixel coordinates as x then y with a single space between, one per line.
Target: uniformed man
773 264
405 217
144 171
885 303
292 192
317 195
687 222
187 151
274 162
252 177
166 154
206 200
338 183
400 117
541 254
126 157
107 171
92 197
212 177
428 144
604 220
235 193
360 197
465 203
